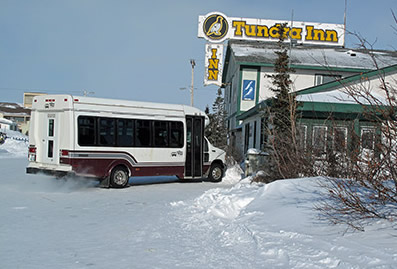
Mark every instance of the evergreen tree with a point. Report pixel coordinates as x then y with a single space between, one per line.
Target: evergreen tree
281 117
281 103
216 130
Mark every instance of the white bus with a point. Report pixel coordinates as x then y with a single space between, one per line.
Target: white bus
113 140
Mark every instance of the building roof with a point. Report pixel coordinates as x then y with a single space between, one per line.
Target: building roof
328 96
310 56
5 121
13 109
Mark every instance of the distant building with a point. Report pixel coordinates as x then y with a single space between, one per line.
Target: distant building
7 124
28 98
17 114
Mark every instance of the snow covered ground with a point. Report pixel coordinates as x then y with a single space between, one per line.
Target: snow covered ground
163 223
15 145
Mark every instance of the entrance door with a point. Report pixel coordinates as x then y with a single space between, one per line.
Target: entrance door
50 148
194 151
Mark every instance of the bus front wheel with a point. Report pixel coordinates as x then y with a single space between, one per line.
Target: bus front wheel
119 177
216 172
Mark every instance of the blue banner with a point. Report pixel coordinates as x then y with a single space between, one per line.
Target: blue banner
248 89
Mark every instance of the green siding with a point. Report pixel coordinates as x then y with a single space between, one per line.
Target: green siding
239 91
258 82
330 107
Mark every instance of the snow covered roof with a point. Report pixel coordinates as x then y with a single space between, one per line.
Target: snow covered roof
335 96
5 121
312 56
13 109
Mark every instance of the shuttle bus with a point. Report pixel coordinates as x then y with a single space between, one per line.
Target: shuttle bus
113 140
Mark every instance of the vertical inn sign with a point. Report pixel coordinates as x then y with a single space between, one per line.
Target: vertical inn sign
213 64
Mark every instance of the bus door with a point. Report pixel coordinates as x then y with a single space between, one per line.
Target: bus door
50 149
194 147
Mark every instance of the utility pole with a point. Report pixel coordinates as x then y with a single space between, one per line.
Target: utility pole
344 24
193 63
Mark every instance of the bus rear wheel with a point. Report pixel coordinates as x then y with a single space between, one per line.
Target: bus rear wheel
216 172
119 177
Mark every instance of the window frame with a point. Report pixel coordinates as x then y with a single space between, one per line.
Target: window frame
321 77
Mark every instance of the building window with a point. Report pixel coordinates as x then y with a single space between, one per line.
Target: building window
340 139
246 137
264 136
319 140
321 79
368 138
301 133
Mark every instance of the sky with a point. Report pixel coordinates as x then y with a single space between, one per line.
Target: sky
141 50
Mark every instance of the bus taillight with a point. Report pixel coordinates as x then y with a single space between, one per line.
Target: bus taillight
64 156
32 153
64 153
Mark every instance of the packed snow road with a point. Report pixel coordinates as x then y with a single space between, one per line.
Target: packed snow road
49 223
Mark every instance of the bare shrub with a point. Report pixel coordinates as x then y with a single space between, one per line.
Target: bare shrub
369 188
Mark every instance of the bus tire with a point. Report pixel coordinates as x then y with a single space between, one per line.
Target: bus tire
216 172
119 177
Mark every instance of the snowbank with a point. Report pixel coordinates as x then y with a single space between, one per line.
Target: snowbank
233 175
275 226
16 145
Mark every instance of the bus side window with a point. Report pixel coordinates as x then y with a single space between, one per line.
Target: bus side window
176 134
107 132
161 134
125 133
86 131
142 134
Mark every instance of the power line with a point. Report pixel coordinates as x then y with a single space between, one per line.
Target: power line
39 90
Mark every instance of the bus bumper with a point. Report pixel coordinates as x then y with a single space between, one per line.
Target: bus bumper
53 170
33 170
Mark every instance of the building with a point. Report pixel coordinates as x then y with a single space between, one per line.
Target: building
320 71
7 125
17 114
28 98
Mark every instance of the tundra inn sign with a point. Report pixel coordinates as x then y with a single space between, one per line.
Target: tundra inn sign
217 27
